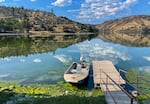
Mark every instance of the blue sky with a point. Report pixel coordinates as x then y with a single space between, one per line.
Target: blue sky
86 11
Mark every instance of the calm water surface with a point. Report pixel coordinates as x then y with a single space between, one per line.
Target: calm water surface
49 67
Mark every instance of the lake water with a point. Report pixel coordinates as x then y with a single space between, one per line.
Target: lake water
48 67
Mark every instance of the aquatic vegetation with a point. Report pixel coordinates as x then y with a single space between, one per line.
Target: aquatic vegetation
140 79
60 93
52 72
143 99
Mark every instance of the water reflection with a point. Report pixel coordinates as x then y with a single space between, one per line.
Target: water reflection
25 46
36 58
129 39
53 57
63 58
95 50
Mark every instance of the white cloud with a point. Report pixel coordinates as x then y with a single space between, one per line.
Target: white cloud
61 3
147 58
37 60
96 9
32 0
2 1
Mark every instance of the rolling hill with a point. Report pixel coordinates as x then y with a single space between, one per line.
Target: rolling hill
13 19
132 30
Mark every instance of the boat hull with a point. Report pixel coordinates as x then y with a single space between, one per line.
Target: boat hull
73 75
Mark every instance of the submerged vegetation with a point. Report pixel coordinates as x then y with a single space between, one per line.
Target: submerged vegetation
53 72
60 93
140 80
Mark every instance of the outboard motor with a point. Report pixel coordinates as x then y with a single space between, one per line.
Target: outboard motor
83 61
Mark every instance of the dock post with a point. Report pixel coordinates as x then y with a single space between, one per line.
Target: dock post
131 101
137 82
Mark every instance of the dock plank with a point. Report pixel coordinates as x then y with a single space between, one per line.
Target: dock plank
107 67
113 94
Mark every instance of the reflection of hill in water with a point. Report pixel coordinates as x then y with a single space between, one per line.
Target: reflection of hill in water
126 39
26 46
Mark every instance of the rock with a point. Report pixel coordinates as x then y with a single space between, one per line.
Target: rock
27 96
21 99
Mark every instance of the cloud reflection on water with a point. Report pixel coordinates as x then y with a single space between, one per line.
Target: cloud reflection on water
37 60
5 59
63 58
97 51
145 68
22 60
4 75
147 58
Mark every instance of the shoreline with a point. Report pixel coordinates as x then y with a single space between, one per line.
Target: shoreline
49 94
43 33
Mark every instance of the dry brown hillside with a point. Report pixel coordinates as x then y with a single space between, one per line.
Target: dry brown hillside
35 20
127 25
133 30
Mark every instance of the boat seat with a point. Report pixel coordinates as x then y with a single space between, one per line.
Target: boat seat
74 66
73 71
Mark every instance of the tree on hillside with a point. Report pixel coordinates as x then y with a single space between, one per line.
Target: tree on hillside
52 10
146 31
9 25
26 23
13 11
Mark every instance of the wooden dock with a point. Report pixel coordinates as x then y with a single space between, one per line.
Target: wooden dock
107 78
105 66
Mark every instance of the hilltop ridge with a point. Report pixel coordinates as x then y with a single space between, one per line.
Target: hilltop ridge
126 25
28 20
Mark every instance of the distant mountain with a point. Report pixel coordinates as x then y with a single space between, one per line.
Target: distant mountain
133 30
25 20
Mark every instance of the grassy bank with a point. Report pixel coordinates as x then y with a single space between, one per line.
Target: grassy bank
61 93
140 80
